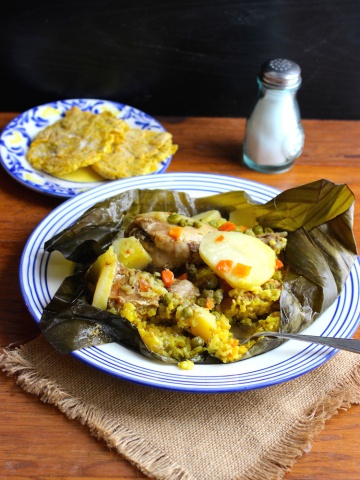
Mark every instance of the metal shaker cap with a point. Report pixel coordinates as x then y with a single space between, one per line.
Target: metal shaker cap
280 73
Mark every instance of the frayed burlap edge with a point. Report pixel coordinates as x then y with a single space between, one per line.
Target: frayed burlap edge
298 440
274 464
154 463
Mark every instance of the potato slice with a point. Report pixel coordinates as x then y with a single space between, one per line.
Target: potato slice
94 271
131 253
243 261
106 266
208 216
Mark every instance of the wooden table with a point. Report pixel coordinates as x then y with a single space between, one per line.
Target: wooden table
39 442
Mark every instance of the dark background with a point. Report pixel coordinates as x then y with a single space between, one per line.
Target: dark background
181 57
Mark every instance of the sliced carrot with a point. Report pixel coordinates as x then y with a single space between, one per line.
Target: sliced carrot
209 303
183 276
242 228
175 232
224 265
167 277
227 227
220 238
143 285
241 270
278 264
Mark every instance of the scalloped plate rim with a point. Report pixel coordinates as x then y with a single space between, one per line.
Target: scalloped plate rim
13 158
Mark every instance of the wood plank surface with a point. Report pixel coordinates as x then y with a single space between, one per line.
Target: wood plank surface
36 440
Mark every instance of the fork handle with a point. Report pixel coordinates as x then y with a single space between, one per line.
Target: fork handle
349 344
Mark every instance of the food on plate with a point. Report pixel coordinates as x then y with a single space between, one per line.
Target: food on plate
171 239
131 253
103 271
196 300
75 141
243 261
139 153
184 301
102 142
181 279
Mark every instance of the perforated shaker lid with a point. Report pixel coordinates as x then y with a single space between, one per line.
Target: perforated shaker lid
280 73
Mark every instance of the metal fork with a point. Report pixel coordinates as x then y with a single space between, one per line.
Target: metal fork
348 344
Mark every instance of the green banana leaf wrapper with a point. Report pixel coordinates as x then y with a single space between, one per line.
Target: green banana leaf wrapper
320 252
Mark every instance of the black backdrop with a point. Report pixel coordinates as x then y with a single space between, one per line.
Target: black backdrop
179 57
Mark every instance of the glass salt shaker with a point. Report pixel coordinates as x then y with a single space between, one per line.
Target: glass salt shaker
274 137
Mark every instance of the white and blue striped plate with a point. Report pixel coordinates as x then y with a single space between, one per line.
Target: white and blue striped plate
41 274
19 133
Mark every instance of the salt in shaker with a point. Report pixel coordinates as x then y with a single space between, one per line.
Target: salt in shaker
274 136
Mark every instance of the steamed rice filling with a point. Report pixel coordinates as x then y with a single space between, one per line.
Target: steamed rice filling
161 319
194 313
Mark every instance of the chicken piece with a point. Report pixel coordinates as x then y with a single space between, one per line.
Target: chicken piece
184 289
170 246
137 287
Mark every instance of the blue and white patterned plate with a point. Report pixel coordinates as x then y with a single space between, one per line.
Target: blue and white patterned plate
41 274
19 133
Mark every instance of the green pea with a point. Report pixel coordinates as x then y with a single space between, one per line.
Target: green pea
218 295
258 230
197 224
191 271
197 342
183 222
201 302
174 218
167 298
210 282
208 293
187 312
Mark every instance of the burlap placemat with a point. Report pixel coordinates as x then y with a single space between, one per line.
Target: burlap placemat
172 435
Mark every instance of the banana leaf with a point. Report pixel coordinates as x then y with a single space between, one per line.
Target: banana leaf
94 231
320 253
